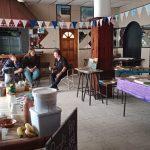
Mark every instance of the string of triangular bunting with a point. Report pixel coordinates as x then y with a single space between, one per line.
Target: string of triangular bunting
48 24
133 12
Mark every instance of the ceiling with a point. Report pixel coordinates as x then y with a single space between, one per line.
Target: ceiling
114 3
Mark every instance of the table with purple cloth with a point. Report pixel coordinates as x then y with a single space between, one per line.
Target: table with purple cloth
138 90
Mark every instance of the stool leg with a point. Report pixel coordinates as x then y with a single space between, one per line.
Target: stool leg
78 84
106 95
117 93
86 86
113 91
82 86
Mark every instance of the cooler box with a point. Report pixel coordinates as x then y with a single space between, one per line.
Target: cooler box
46 123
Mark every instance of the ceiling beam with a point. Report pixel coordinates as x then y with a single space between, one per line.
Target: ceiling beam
70 2
85 3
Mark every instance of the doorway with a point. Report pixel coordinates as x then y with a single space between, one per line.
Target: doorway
69 45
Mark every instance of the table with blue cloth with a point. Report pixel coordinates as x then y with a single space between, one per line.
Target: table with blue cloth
141 91
127 71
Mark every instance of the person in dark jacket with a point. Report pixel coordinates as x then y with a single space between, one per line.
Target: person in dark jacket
13 63
31 67
59 70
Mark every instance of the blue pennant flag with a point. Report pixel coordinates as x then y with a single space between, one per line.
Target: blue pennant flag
54 23
74 23
33 23
94 24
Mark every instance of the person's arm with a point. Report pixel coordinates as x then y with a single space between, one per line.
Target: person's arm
18 67
18 71
54 68
61 72
64 69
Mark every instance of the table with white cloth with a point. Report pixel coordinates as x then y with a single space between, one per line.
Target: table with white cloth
139 90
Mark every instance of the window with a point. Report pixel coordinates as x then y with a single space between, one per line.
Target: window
68 35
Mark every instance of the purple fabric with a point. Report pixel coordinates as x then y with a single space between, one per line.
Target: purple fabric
138 90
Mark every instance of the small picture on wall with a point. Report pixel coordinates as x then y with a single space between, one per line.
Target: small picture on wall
86 13
63 13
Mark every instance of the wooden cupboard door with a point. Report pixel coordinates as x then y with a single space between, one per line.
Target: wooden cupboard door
68 45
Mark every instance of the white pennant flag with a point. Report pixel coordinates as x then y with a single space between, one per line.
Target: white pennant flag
127 14
61 24
109 18
40 23
139 11
1 20
97 22
16 22
101 22
87 24
47 24
24 23
91 23
80 24
7 22
121 16
68 25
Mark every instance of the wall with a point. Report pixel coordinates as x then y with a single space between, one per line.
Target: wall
13 9
144 19
51 41
48 12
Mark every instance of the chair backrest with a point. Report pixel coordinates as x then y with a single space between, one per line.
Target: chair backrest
92 63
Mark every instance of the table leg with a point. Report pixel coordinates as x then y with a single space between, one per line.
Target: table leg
82 86
94 87
122 97
90 89
124 110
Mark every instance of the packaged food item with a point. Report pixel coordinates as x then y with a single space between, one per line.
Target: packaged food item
28 102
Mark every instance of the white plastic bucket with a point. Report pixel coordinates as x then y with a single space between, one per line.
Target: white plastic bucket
44 99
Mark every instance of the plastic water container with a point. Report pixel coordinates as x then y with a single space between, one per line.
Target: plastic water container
44 99
46 123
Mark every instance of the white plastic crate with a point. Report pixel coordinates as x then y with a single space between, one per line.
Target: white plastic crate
46 123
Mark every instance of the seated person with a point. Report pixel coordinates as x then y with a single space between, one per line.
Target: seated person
12 62
31 67
59 70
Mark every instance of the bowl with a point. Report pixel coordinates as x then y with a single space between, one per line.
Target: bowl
7 123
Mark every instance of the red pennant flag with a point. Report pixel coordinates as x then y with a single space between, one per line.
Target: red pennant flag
20 24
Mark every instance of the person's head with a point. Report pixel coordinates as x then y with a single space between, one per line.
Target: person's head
12 57
57 53
31 53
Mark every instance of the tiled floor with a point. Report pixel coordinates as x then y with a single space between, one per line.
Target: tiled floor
102 127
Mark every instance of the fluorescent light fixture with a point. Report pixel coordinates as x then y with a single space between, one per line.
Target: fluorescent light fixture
21 1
